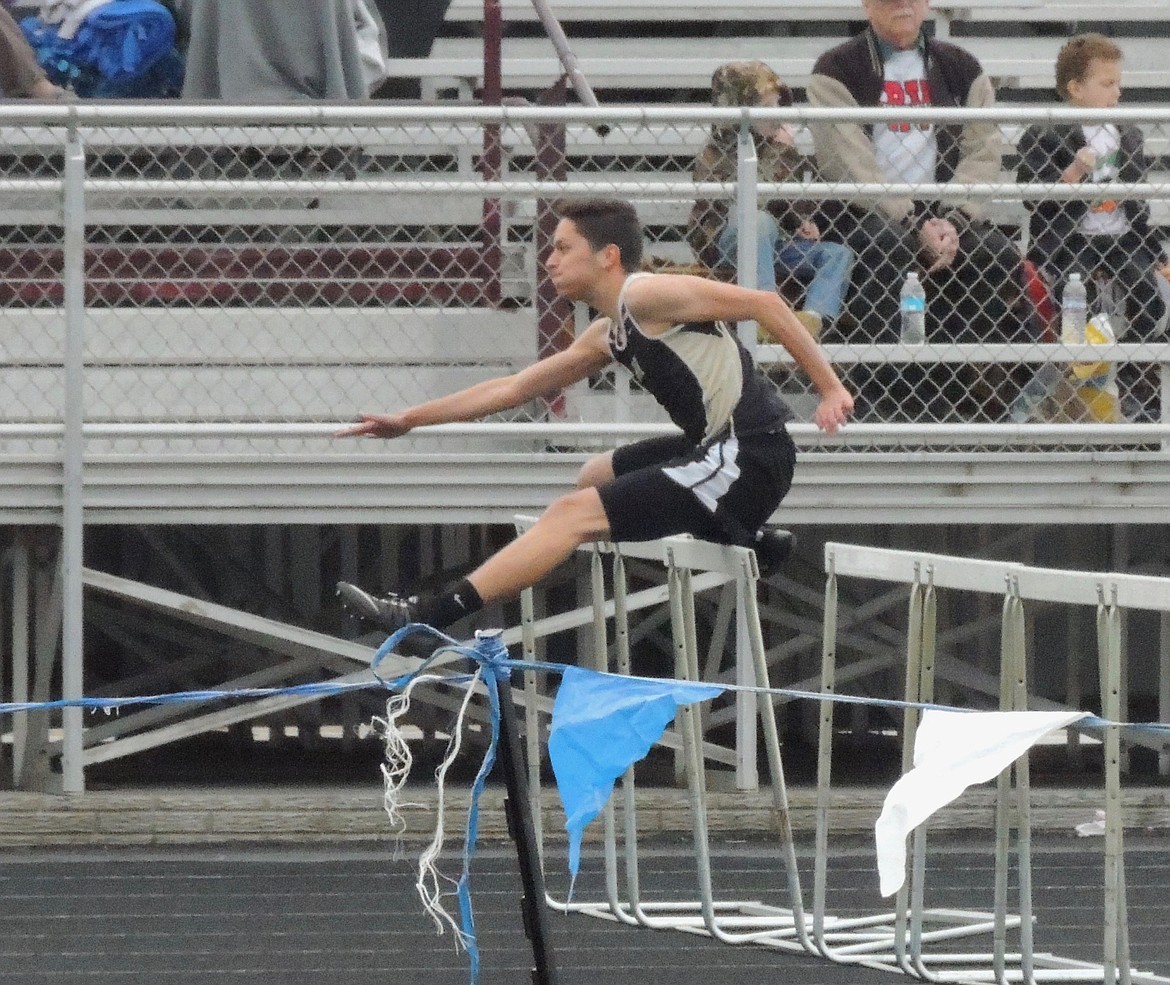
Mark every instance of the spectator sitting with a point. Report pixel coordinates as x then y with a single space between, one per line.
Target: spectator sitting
1103 236
973 272
787 236
20 75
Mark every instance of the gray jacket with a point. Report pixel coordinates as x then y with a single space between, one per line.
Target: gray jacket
19 70
271 51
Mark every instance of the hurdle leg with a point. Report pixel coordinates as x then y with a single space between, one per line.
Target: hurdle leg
532 733
824 757
927 639
1013 697
1164 687
619 911
621 645
692 757
750 621
1116 949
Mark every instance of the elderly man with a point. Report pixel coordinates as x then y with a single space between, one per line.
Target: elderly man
971 270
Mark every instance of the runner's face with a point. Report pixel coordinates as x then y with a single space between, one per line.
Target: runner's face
896 21
572 263
1100 88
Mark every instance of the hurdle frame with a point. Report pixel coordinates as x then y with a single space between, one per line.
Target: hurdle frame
690 565
923 573
900 940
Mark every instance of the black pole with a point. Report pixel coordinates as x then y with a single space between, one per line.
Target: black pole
510 758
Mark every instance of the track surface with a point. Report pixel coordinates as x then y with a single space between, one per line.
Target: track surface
351 917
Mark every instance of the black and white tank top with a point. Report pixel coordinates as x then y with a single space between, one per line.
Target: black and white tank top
700 373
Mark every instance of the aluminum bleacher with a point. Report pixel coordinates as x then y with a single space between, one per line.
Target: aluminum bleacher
381 250
676 45
375 259
177 348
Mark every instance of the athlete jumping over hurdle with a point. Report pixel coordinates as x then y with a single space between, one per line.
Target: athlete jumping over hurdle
720 480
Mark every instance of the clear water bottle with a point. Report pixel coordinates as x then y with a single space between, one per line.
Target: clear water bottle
912 305
1027 406
1074 311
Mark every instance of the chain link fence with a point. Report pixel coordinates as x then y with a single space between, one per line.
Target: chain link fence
249 277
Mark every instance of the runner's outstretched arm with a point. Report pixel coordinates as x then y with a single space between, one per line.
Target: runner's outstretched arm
584 357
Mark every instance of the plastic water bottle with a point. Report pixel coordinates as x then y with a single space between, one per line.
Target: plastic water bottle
1027 406
1074 309
912 305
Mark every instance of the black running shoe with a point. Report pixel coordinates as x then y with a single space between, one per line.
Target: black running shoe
390 613
772 549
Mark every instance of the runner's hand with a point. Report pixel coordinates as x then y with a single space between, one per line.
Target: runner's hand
834 409
375 426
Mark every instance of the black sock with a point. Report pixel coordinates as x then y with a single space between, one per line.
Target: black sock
457 600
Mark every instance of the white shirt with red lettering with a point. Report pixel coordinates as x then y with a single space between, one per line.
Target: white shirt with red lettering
906 151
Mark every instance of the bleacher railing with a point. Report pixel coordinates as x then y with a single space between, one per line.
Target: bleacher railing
238 278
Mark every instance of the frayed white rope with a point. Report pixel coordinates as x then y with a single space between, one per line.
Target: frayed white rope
398 758
395 771
430 879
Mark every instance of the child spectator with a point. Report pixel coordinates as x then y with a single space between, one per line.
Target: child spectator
787 236
1103 236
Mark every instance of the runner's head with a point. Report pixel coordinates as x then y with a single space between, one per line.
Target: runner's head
604 222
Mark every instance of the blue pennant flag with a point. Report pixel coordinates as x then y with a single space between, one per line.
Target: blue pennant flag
601 725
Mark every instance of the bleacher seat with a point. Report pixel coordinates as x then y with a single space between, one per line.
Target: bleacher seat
666 54
249 275
671 53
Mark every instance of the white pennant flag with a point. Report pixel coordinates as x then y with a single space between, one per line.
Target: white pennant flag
952 750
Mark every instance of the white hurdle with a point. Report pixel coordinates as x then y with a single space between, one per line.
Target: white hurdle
913 938
902 943
690 566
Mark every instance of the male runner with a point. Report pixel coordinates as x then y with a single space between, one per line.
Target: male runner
720 479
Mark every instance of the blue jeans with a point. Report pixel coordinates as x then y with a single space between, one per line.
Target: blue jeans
829 264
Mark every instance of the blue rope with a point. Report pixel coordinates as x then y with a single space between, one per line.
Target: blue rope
414 629
322 689
492 655
326 689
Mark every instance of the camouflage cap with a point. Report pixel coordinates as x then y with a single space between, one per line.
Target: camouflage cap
746 84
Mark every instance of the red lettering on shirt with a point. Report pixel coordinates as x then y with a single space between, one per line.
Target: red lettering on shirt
914 92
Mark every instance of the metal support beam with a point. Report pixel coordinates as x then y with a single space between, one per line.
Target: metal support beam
73 482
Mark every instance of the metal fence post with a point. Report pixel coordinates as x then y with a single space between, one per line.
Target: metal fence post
747 212
72 532
1116 922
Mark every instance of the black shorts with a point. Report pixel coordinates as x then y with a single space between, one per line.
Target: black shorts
724 491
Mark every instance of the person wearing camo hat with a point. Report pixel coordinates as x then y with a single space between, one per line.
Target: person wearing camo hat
788 238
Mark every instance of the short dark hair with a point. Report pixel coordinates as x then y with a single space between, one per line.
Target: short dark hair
1072 64
603 221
